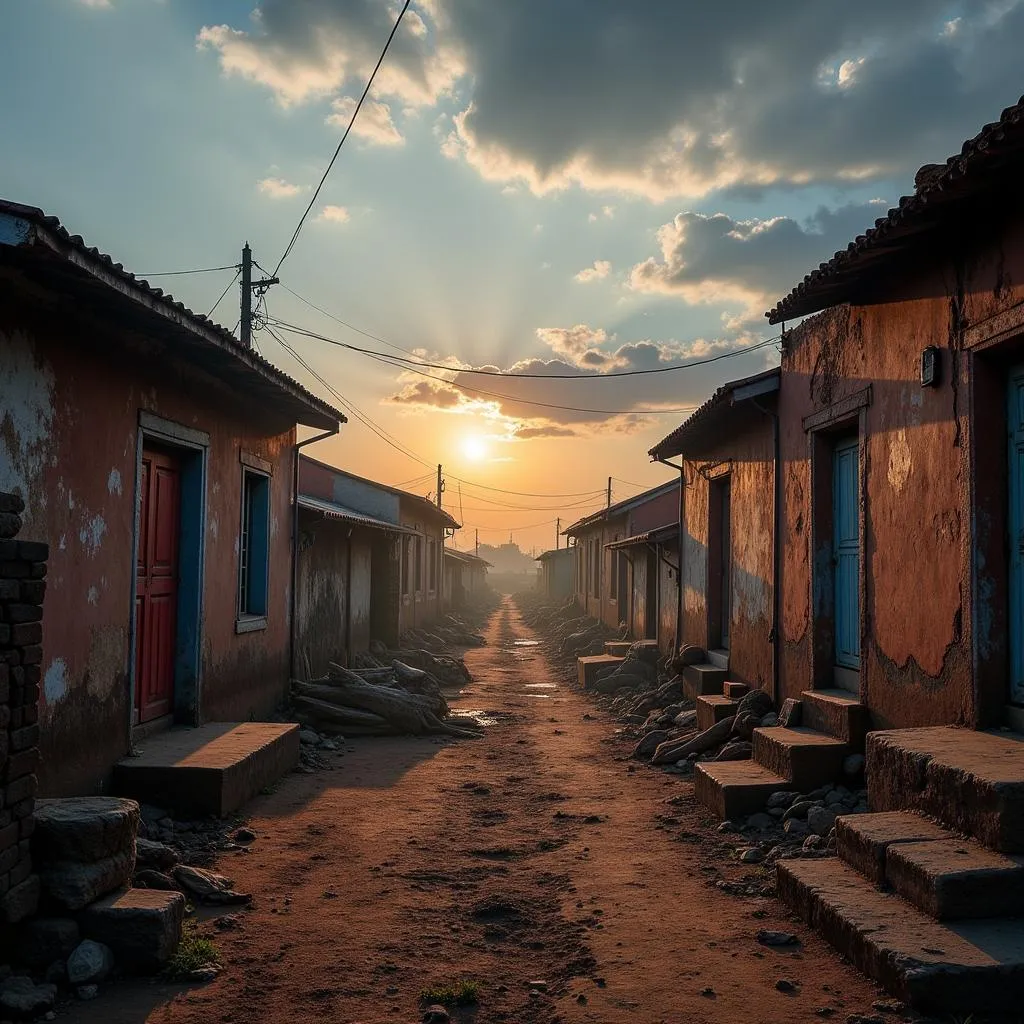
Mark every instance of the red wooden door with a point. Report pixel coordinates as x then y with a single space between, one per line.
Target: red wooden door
156 601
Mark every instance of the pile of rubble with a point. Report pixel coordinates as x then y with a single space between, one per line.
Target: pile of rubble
449 631
567 634
400 700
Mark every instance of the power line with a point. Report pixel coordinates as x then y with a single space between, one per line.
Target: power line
352 121
179 273
611 375
222 294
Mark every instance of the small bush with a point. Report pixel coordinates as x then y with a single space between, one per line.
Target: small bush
194 953
465 993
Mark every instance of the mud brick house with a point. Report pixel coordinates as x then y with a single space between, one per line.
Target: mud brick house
397 573
156 456
626 574
901 412
465 578
727 453
556 573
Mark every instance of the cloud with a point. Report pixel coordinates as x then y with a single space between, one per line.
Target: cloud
601 269
316 48
715 258
278 188
374 123
571 342
529 431
334 214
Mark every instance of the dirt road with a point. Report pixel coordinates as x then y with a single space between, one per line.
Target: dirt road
537 854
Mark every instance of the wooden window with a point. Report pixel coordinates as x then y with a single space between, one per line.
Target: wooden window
254 545
431 565
417 561
406 559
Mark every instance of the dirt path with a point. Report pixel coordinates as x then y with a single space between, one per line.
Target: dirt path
536 854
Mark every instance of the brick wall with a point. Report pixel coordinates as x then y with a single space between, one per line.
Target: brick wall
22 585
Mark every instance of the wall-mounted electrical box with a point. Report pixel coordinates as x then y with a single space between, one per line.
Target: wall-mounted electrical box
930 367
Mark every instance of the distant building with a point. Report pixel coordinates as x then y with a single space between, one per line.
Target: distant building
465 578
556 572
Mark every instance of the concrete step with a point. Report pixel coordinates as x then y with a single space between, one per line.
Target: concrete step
863 840
734 789
719 658
976 967
213 769
713 707
972 782
806 757
837 713
735 690
617 648
588 667
955 879
702 679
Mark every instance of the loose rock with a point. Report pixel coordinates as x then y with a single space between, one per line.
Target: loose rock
752 855
820 820
22 998
91 961
770 938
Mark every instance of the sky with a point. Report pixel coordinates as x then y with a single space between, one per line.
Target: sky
565 188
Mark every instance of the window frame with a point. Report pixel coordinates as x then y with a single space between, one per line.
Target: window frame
252 592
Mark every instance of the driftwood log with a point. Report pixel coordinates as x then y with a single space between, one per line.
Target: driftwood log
677 750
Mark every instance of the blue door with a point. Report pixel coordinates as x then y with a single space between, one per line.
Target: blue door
846 553
1015 422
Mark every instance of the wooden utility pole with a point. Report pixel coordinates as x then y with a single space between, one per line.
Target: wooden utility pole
248 287
440 485
558 532
609 492
476 549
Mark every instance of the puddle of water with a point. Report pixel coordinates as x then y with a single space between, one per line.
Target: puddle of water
525 643
544 696
541 686
482 717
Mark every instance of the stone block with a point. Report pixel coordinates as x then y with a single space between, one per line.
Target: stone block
149 854
33 550
85 829
10 590
90 962
33 654
37 571
32 676
790 714
8 550
5 633
864 839
32 591
141 926
22 764
9 836
19 789
10 502
26 827
20 901
26 634
29 714
24 613
10 525
15 568
73 885
46 939
23 739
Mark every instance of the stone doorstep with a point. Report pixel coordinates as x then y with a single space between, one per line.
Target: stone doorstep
734 789
719 658
213 769
954 879
141 926
863 839
973 782
587 667
838 714
712 708
617 648
974 967
702 680
806 757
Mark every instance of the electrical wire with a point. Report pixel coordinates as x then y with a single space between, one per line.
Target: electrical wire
223 293
352 121
179 273
611 375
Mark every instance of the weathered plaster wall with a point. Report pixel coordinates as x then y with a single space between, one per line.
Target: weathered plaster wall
750 454
69 413
362 588
421 608
601 606
669 598
321 592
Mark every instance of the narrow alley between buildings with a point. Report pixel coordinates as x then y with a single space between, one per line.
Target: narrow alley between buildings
567 881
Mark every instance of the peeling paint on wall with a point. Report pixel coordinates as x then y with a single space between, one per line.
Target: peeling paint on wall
55 681
91 534
26 416
900 461
92 596
114 482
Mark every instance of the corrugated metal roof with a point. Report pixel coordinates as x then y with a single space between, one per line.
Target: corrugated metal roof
59 241
465 556
995 152
545 556
719 402
670 531
620 508
335 511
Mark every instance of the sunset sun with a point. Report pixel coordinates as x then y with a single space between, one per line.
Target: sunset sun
474 448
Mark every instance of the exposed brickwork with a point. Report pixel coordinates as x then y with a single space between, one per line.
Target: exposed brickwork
22 586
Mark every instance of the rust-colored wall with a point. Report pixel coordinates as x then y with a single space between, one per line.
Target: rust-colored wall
69 413
602 607
933 473
421 608
669 597
749 453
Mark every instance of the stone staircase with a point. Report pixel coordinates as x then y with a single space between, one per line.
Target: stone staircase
930 907
804 756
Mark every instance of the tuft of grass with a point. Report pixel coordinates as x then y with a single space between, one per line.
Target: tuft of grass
194 953
465 993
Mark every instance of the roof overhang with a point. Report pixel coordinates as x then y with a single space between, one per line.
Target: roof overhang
663 534
732 408
61 270
332 510
620 508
